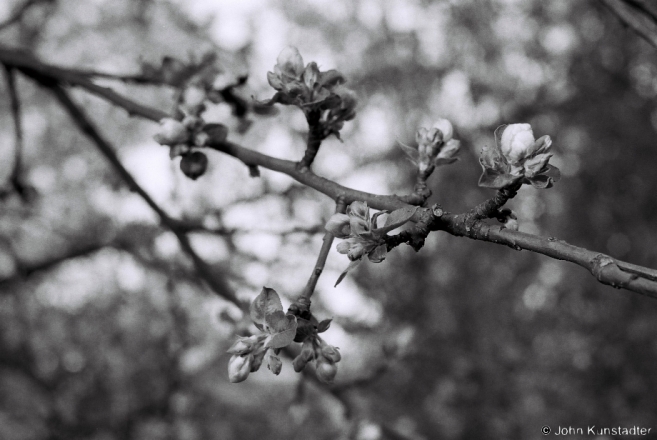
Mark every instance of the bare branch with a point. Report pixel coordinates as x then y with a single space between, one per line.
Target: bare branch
304 299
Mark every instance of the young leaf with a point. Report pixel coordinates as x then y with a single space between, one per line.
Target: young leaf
491 178
351 266
378 254
282 328
324 325
412 153
397 218
266 303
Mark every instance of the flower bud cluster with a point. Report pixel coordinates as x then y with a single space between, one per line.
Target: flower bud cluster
248 354
325 356
360 233
435 146
322 96
518 158
182 137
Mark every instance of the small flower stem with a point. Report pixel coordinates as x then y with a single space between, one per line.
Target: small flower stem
490 207
304 299
315 137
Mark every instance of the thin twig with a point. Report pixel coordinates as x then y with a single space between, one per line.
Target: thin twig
20 11
15 104
304 298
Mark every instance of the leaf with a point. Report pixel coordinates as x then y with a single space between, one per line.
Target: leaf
266 303
282 328
553 172
375 218
397 218
351 266
324 325
378 254
491 178
412 153
546 178
445 160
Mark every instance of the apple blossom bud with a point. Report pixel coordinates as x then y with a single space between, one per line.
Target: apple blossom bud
450 149
338 225
307 354
258 357
356 251
331 353
193 96
171 132
194 165
239 367
445 128
274 363
359 209
517 139
243 345
290 62
326 370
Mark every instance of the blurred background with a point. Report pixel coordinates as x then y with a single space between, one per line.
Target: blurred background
107 333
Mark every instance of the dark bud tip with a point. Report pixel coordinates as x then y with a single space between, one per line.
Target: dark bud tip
193 165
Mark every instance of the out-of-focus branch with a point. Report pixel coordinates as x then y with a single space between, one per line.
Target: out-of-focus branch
209 274
18 13
26 269
640 15
15 104
607 270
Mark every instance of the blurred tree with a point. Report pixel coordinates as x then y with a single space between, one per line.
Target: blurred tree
109 328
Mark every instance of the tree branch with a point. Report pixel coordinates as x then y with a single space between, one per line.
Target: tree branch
20 11
216 282
638 15
607 270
